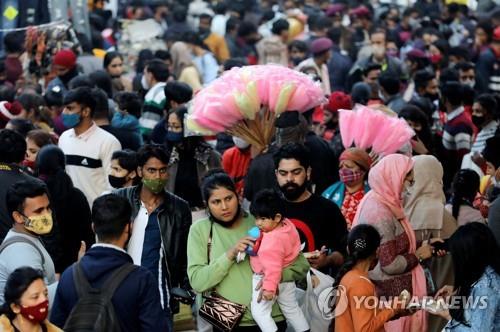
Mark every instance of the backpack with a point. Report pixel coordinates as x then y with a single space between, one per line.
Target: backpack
94 310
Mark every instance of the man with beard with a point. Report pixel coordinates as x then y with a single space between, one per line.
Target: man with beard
319 221
161 224
64 65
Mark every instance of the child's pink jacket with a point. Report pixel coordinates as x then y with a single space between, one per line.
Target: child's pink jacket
278 249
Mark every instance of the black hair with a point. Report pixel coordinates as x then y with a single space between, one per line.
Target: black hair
448 75
234 62
149 151
17 283
101 104
50 159
320 23
127 159
19 191
473 247
53 97
110 214
191 37
389 82
488 103
267 203
130 102
415 114
465 186
12 146
179 92
246 28
362 243
82 96
422 78
84 42
453 93
299 45
7 93
110 56
80 81
232 23
21 126
31 102
142 59
280 26
216 178
465 66
220 8
293 151
159 69
162 55
179 13
487 27
371 66
334 34
102 80
13 42
459 51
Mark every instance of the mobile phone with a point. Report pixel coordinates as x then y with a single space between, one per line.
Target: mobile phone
441 246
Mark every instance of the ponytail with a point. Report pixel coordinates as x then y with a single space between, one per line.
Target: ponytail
362 243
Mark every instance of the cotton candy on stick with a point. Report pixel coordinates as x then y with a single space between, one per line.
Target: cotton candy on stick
347 122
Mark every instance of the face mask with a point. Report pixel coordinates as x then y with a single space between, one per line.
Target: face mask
469 83
292 191
478 121
40 225
203 32
432 97
29 164
144 82
296 60
154 185
240 143
392 53
68 76
117 182
378 51
70 120
348 176
174 137
37 313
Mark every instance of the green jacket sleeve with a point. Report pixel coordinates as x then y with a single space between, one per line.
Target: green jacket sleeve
204 276
297 271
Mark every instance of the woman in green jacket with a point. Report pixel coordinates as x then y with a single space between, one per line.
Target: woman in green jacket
219 271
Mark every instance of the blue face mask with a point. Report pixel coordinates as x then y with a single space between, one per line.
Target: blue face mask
70 120
174 137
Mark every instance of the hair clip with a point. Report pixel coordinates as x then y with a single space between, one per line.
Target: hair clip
360 244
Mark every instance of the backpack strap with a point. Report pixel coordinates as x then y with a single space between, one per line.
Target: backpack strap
110 285
21 239
116 278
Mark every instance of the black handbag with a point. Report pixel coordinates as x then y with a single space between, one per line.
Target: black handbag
216 310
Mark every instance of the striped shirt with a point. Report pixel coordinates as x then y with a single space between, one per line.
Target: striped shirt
457 131
487 132
152 110
88 159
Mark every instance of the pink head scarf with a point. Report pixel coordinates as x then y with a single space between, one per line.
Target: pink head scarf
386 180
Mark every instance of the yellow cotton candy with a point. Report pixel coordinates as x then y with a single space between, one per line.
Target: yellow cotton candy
194 127
284 97
245 105
253 96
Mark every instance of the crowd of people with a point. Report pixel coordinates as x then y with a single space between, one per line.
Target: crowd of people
105 191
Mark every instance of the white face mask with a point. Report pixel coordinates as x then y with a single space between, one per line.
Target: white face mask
240 143
144 82
469 83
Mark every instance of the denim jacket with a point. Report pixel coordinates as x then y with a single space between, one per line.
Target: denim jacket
481 319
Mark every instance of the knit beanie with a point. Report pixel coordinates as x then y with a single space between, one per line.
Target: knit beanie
65 58
338 100
8 111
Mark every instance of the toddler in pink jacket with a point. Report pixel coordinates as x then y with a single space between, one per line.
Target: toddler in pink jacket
277 247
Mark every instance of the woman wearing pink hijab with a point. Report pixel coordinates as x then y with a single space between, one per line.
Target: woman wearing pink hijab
399 267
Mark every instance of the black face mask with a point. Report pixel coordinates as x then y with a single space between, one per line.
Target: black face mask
432 97
117 182
203 33
292 191
478 121
296 60
68 76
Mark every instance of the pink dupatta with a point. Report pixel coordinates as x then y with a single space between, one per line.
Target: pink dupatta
386 183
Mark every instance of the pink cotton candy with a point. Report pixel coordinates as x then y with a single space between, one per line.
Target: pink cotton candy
347 120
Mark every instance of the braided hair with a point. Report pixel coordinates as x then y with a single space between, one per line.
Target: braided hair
362 243
465 187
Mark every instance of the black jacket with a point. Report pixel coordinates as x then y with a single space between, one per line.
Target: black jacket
174 220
